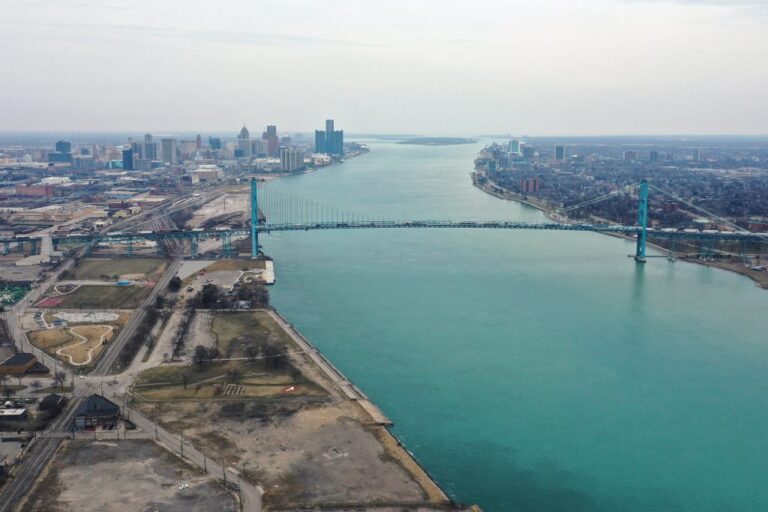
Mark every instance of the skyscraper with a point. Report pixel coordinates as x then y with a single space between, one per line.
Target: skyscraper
273 142
243 149
559 152
198 142
214 142
330 141
513 146
128 159
63 146
168 145
149 152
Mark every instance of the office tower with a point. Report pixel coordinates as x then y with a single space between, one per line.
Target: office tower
198 142
527 152
330 141
273 142
168 145
128 159
559 152
696 154
243 148
63 146
513 146
291 159
654 156
214 142
150 148
259 148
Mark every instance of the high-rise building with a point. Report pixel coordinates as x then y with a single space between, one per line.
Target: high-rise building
214 142
128 159
63 146
513 146
630 155
330 141
696 154
149 152
198 142
559 152
170 156
291 159
243 148
654 156
273 142
528 152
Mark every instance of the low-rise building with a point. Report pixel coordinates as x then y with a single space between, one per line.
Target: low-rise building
22 363
96 411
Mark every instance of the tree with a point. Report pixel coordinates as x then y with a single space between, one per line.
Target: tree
234 376
59 378
209 295
185 378
174 284
201 357
36 385
9 392
251 352
4 381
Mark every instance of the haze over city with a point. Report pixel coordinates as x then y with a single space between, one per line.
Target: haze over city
525 67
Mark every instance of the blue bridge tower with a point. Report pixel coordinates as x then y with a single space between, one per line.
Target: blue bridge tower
254 220
642 221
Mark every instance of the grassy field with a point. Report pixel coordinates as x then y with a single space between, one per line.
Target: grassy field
236 330
103 297
97 268
50 338
258 378
235 265
96 336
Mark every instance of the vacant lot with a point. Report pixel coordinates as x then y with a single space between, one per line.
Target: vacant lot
249 368
99 297
125 475
305 453
235 330
113 268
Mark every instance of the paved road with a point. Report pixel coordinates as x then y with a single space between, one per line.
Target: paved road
113 349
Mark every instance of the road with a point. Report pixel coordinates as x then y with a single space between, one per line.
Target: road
113 349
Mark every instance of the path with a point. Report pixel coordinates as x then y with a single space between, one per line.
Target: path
60 352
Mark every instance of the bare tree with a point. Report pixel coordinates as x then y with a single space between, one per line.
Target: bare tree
36 385
185 378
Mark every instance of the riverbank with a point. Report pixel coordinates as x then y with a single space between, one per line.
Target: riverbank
760 277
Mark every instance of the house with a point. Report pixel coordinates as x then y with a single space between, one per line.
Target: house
22 363
13 414
52 402
96 411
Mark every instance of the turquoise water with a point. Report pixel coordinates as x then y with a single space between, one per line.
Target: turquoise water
532 371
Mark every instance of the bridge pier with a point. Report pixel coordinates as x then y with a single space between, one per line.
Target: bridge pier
193 245
226 238
642 220
6 248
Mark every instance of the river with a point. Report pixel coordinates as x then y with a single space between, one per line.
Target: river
531 371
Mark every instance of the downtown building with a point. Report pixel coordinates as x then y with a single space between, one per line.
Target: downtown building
330 141
291 159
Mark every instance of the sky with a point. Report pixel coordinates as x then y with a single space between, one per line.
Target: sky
431 67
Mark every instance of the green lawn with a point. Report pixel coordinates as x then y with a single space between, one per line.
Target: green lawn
103 297
97 268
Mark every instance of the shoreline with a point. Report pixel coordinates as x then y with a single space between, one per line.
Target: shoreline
759 278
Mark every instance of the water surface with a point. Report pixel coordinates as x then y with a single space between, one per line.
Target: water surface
532 371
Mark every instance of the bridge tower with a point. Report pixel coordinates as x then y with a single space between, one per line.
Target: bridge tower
254 220
642 220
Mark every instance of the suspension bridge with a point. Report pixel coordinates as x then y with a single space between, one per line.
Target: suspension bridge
269 214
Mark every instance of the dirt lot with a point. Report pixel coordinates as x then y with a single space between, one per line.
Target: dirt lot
90 476
109 268
302 453
306 447
50 338
228 207
98 297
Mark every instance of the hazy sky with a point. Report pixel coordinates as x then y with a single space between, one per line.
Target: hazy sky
537 67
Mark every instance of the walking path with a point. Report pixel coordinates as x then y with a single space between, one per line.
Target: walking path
72 330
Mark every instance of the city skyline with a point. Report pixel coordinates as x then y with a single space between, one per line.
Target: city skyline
544 68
